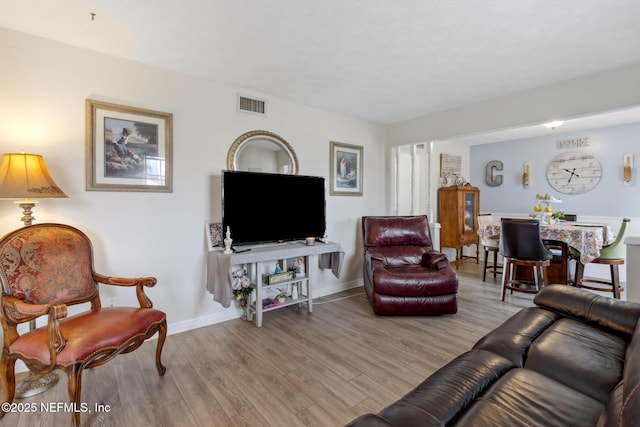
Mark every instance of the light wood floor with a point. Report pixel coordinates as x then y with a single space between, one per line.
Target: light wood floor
299 369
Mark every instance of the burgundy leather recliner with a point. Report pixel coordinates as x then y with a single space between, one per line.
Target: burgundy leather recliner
403 274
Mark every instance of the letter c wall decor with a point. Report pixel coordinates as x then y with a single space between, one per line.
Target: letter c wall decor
493 180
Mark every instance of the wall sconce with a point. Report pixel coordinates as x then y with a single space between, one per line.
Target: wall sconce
23 176
526 175
627 167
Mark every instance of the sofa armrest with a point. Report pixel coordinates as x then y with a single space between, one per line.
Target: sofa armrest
436 260
609 313
369 420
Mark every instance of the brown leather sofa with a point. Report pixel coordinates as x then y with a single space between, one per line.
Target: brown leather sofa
574 360
403 275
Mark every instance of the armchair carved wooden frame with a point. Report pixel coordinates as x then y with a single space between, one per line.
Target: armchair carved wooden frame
44 269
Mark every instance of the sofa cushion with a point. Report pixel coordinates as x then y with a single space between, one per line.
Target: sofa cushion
397 230
437 400
397 256
513 337
592 308
525 398
584 358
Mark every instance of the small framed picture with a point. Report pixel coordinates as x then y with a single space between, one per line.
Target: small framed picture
213 231
128 149
346 169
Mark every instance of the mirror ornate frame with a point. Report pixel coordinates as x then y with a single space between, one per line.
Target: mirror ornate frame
245 140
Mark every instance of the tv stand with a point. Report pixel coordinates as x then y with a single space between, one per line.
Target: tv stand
220 265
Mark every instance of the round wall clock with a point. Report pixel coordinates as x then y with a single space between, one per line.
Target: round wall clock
574 173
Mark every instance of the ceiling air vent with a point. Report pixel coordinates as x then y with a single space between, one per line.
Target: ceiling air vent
252 105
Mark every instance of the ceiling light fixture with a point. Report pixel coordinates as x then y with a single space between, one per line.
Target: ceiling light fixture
554 124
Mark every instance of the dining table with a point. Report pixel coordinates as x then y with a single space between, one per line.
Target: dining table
586 237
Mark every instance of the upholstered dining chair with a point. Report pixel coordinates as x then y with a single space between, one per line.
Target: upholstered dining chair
46 268
491 245
521 245
612 255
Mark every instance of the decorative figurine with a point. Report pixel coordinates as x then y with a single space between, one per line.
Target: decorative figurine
227 242
299 267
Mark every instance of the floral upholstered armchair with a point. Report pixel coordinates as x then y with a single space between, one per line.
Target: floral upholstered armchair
44 269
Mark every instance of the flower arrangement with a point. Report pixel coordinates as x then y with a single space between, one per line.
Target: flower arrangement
557 214
240 285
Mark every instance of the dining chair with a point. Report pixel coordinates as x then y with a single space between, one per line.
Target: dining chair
559 271
521 245
46 268
491 245
612 255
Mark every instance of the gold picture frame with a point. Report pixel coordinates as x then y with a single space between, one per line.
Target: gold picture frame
128 148
346 169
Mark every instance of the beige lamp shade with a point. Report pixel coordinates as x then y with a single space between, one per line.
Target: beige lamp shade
26 176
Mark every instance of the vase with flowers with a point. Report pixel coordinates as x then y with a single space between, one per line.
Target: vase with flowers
241 287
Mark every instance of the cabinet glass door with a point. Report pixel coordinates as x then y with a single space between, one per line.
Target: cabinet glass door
469 209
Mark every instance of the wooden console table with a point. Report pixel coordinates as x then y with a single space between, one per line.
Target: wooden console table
221 265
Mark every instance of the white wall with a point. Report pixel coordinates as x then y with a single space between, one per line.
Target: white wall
43 87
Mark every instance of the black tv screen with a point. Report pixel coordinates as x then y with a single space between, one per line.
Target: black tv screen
266 207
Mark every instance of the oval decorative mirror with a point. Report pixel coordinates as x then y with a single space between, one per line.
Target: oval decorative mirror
262 151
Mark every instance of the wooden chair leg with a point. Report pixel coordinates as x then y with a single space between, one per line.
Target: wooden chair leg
7 380
74 387
579 274
162 336
506 277
484 271
615 281
495 264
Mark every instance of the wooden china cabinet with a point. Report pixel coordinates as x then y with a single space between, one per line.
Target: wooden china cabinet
458 209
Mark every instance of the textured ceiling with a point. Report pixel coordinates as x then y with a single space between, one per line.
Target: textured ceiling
381 60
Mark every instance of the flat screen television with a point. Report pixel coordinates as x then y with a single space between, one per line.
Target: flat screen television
266 207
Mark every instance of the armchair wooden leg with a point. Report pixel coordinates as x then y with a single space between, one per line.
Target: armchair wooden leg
506 277
162 336
615 281
486 261
577 281
7 380
75 389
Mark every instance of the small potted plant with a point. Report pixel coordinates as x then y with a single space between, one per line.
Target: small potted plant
281 296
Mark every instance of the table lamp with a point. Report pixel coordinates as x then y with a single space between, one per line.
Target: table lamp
25 176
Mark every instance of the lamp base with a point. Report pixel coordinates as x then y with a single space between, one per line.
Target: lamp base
27 205
29 384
